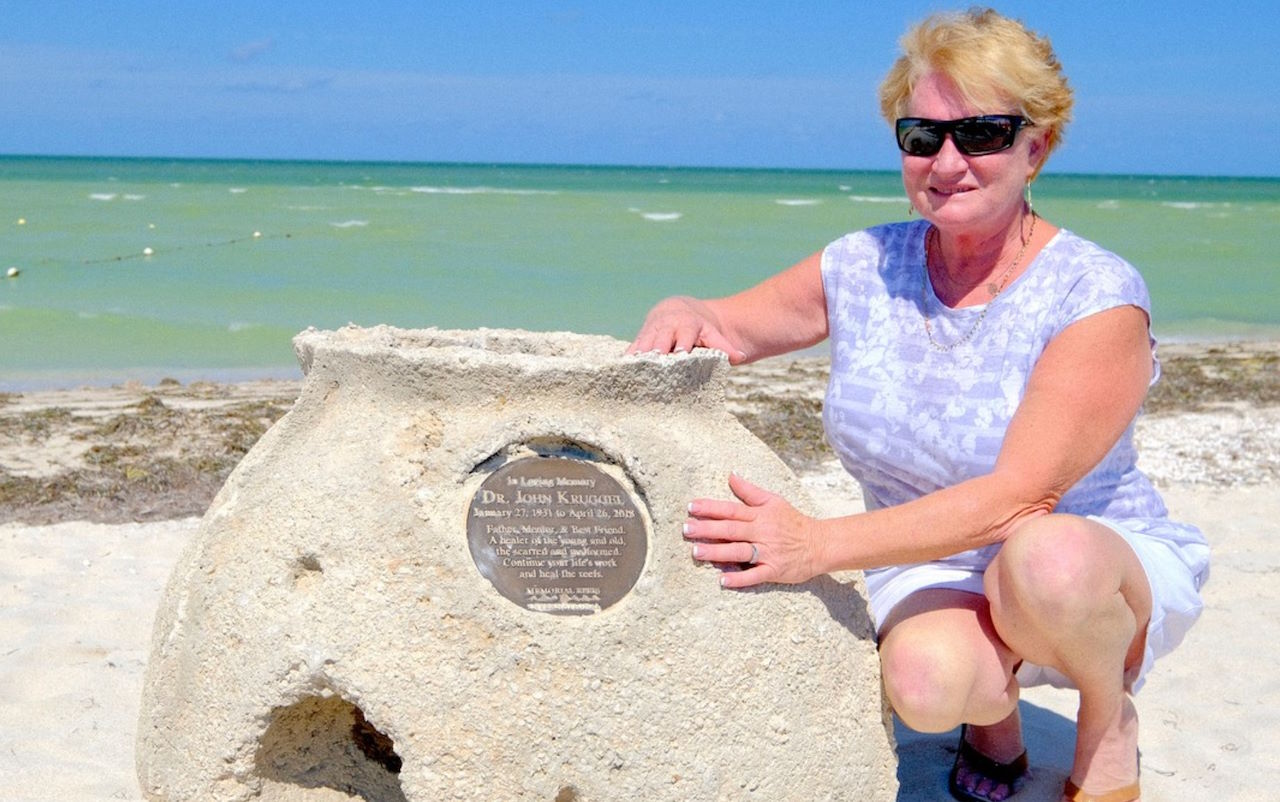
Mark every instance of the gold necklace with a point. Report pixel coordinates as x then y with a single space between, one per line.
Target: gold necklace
992 287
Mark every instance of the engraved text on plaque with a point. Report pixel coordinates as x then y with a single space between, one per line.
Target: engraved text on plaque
557 535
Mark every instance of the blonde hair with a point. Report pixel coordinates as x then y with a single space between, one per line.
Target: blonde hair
993 60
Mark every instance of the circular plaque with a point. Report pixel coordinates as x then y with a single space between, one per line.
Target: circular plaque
557 535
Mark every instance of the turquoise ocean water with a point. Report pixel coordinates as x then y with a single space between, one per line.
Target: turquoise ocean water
145 268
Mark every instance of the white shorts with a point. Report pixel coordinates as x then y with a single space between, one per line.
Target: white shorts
1175 570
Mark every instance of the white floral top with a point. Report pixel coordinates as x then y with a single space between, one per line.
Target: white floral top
907 419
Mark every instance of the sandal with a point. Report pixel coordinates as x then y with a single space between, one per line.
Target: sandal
1127 794
1008 774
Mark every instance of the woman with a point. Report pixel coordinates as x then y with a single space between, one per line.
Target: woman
987 369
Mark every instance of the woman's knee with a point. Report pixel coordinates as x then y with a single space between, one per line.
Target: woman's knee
941 666
923 685
1055 568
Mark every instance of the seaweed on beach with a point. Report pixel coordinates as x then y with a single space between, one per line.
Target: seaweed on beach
791 427
112 490
34 426
1216 376
152 461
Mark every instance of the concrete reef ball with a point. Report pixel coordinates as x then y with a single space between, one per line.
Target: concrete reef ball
329 634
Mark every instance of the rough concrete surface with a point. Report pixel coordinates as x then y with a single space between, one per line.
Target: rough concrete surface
327 634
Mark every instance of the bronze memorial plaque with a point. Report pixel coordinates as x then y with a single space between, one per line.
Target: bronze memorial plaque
557 535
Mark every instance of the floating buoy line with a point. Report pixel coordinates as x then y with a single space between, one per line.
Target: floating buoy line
148 251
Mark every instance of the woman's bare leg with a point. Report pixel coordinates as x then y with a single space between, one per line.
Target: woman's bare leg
1069 593
943 664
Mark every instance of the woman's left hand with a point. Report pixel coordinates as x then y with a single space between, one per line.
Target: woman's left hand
784 539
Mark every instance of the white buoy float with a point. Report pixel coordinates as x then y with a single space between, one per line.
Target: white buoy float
12 272
148 252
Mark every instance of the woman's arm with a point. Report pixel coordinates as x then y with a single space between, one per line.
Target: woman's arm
1081 396
782 313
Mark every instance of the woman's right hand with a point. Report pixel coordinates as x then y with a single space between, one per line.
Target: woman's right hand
780 314
680 324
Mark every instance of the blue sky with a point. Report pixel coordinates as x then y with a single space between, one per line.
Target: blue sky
1174 87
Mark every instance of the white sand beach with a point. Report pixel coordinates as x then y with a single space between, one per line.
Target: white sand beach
77 599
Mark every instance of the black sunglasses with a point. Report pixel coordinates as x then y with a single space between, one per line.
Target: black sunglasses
973 136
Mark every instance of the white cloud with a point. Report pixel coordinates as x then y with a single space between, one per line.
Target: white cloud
251 50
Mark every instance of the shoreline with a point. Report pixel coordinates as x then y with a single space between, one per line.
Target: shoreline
1259 338
87 379
136 452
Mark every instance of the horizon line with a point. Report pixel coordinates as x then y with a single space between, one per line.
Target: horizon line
582 165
